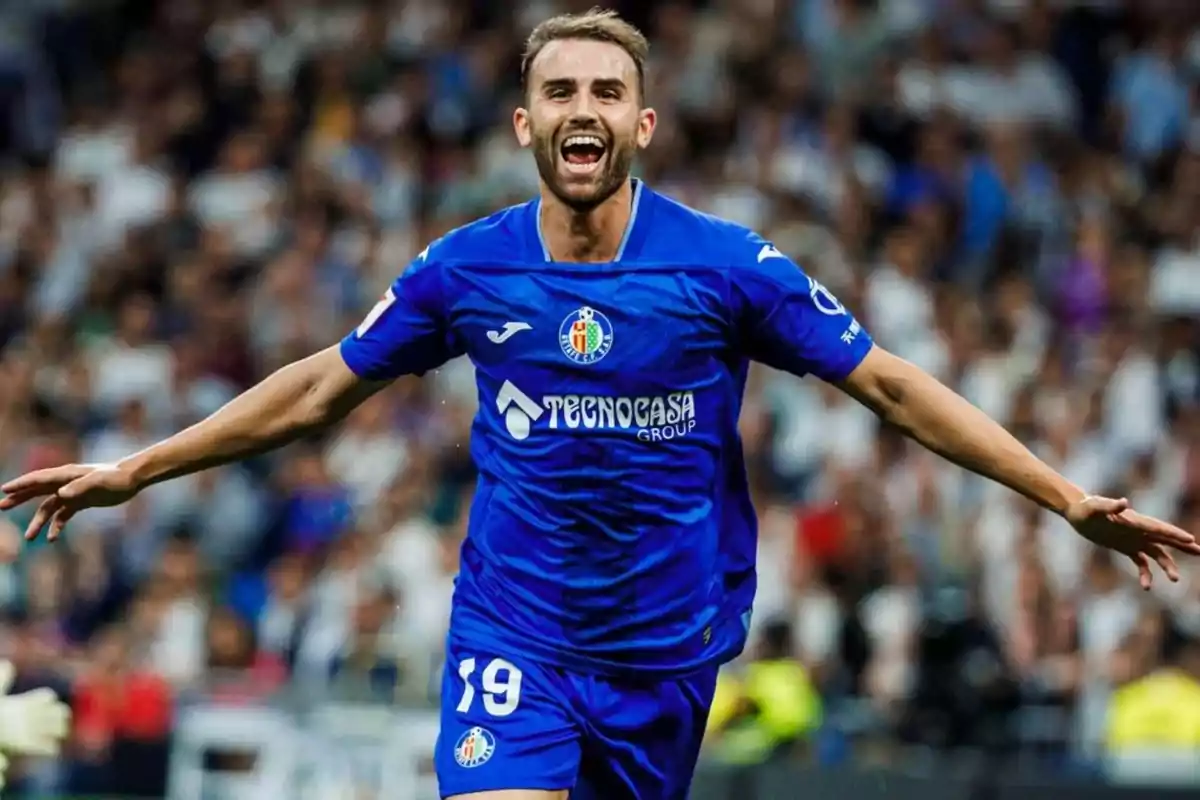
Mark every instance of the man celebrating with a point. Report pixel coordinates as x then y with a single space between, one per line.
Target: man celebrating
608 569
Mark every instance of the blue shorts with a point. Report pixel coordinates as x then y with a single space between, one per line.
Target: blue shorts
508 723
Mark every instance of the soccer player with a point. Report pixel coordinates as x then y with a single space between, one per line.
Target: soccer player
608 567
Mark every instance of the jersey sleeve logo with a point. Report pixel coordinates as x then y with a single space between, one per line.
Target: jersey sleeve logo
585 336
385 302
824 300
769 251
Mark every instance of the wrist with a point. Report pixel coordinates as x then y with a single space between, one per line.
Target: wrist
138 469
1065 496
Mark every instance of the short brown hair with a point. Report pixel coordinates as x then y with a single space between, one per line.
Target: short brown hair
597 25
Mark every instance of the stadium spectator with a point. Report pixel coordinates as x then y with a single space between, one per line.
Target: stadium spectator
122 718
768 709
1153 727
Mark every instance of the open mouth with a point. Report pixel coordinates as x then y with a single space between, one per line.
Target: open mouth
583 154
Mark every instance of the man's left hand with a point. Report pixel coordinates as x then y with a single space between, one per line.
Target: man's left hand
1144 540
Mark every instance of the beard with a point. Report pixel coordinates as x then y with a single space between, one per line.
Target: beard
583 193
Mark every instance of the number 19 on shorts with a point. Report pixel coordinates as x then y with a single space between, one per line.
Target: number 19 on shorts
500 684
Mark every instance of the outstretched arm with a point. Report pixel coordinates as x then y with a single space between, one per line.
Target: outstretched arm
301 398
930 413
789 321
926 410
404 334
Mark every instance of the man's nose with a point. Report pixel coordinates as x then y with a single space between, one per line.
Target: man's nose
583 108
583 122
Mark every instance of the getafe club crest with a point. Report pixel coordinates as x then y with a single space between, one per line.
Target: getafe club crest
585 336
474 748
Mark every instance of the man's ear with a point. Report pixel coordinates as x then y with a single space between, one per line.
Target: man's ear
647 122
521 127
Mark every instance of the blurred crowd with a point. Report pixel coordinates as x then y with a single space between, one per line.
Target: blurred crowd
1007 192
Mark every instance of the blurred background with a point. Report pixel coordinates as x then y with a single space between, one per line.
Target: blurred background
1006 192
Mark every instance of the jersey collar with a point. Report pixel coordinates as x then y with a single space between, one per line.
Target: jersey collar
631 240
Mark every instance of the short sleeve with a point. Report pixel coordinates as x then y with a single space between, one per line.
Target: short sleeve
406 333
789 321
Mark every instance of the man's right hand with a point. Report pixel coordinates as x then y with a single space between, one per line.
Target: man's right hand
66 491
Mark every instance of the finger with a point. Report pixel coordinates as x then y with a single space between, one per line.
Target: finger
20 498
77 487
1166 562
41 517
44 481
1107 505
7 671
1191 549
1156 529
1145 576
58 522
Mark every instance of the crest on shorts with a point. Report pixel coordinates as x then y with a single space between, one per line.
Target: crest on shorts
474 747
585 336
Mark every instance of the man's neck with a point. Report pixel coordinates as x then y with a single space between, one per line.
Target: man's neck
591 236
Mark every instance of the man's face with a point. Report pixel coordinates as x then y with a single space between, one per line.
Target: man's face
585 121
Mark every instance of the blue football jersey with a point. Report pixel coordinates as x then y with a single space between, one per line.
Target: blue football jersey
612 529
